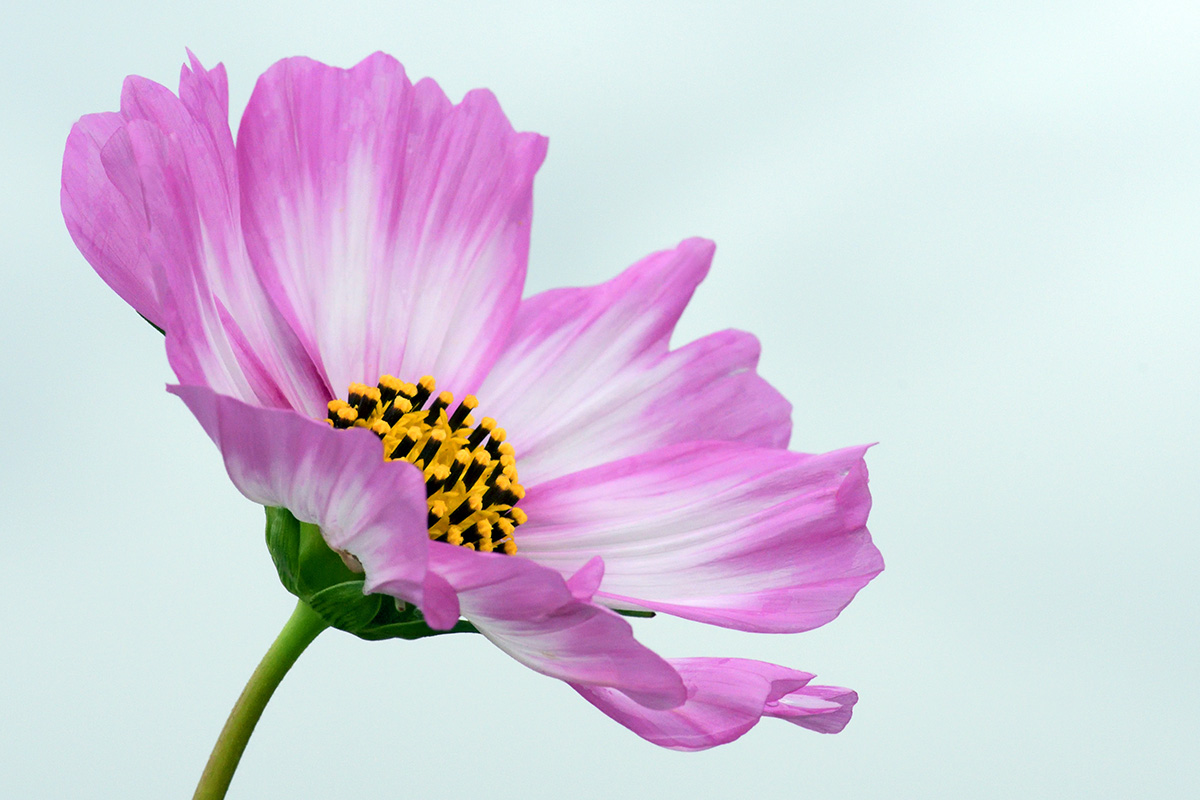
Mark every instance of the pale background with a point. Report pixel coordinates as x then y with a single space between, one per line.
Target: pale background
967 232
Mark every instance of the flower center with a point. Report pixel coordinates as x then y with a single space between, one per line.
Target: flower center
470 471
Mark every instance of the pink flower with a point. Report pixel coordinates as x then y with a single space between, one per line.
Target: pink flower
363 227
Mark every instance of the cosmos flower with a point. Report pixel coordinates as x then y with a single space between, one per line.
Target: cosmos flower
340 293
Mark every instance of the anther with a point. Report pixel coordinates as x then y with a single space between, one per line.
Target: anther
464 410
346 416
389 387
436 480
483 530
437 510
480 433
405 446
441 402
461 459
396 410
479 463
425 388
369 402
493 446
492 496
431 447
466 509
506 497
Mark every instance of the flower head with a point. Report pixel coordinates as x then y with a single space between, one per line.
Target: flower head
341 297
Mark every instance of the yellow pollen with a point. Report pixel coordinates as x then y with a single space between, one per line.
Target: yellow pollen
471 483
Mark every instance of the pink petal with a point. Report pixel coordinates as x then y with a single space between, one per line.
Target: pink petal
393 224
108 225
338 480
750 538
824 709
586 582
529 612
587 376
726 698
155 208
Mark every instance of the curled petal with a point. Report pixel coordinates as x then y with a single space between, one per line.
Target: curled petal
392 224
725 698
756 539
607 384
151 196
824 709
531 613
372 509
107 218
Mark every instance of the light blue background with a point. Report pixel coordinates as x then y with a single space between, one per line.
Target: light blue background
967 231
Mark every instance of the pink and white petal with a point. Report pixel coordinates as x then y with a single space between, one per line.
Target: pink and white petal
338 480
725 698
756 539
260 337
223 330
531 613
108 225
392 224
151 197
824 709
587 376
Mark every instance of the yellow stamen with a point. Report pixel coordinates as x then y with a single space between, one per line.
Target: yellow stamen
470 469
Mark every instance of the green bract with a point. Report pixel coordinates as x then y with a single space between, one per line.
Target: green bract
311 570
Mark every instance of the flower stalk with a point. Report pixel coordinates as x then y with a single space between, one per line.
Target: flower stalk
298 632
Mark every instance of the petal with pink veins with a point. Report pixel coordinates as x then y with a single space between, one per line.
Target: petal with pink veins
151 196
532 614
750 538
587 376
391 223
338 480
106 220
725 698
824 709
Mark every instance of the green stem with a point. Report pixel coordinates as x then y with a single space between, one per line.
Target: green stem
298 632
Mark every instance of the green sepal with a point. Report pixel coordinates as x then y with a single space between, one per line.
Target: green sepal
411 630
345 607
320 567
401 621
627 612
313 572
151 324
283 543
